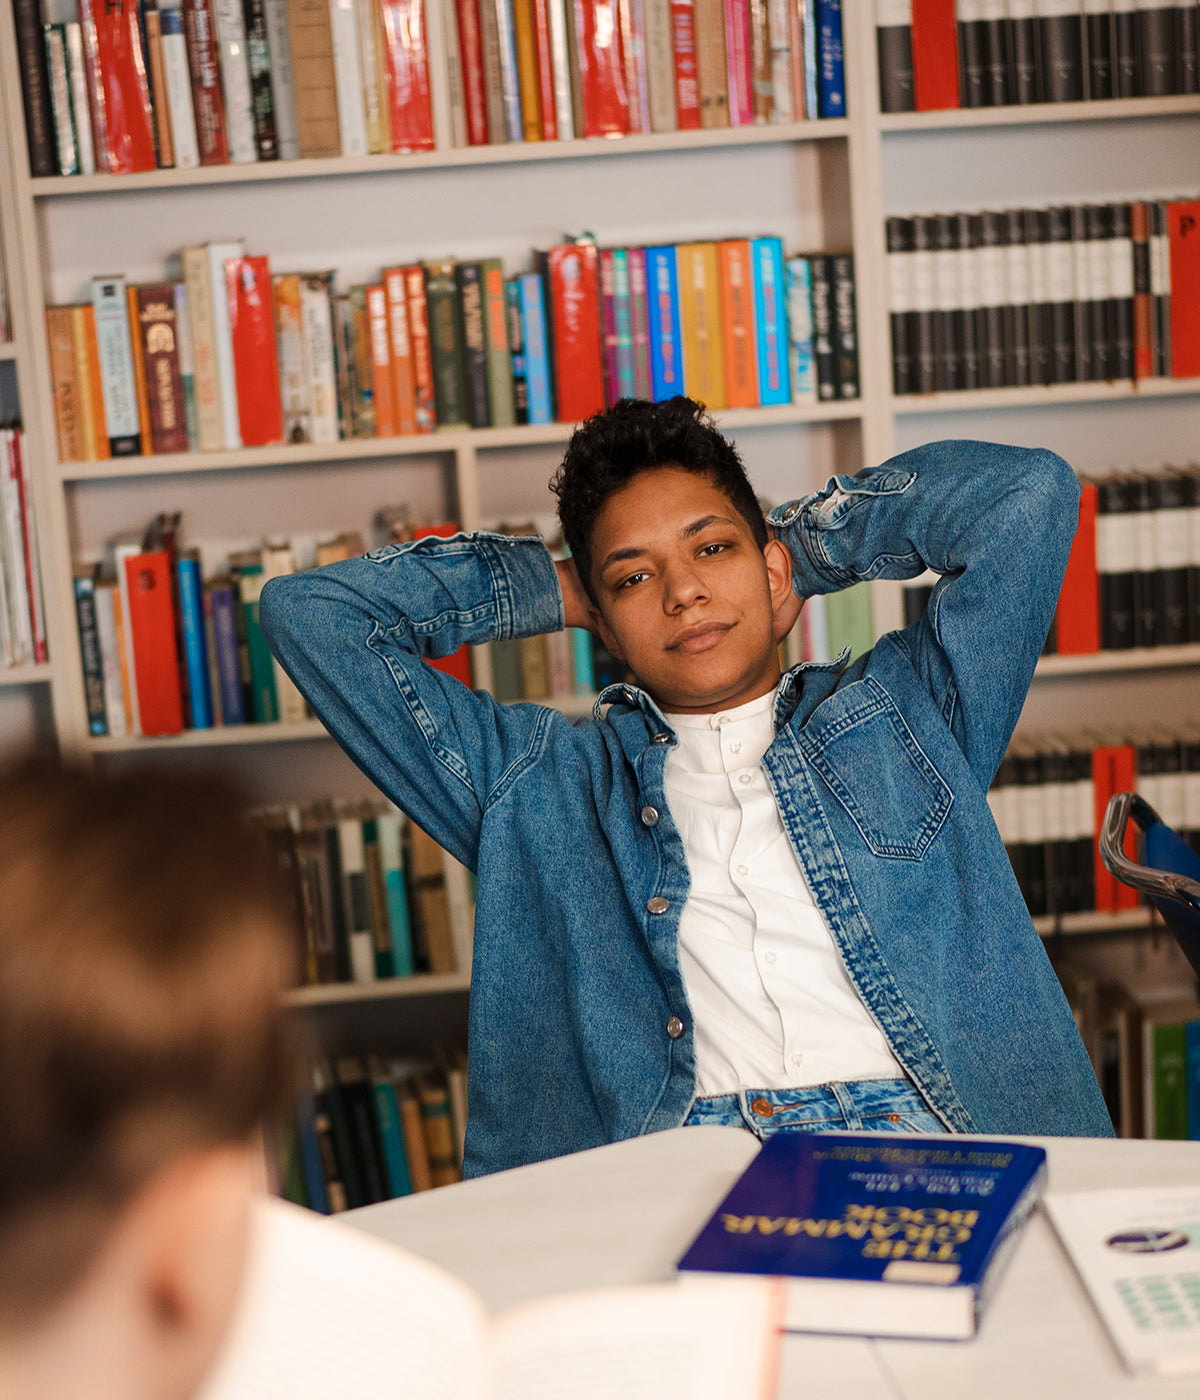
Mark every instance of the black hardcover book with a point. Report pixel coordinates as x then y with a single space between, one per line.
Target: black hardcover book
1098 218
1145 564
1157 40
1121 287
516 343
1160 287
330 1101
1169 497
1060 294
987 242
89 649
1098 25
1021 28
1030 798
948 300
996 87
262 99
1041 331
1060 49
35 88
1018 362
825 356
899 254
1084 825
469 277
1125 48
893 36
969 298
924 336
1187 63
972 54
359 1098
1060 853
1191 495
1081 279
341 929
845 324
1114 562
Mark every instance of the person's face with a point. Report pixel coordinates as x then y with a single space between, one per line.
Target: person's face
687 597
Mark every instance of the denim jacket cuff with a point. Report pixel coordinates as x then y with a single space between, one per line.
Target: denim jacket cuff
528 597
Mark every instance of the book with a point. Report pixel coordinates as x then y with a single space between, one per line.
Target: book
866 1234
572 285
89 648
894 46
253 347
149 607
934 55
666 359
118 382
770 321
394 1314
314 78
407 58
1132 1249
1183 234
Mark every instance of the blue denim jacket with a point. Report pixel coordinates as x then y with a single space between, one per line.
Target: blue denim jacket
580 1029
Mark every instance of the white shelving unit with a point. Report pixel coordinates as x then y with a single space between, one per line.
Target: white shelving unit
821 185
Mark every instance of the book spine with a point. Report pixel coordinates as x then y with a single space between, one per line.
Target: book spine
687 88
510 78
195 652
314 77
178 85
845 318
1060 45
58 78
64 378
535 348
663 305
209 417
107 601
80 105
1121 291
831 77
639 321
115 347
935 55
899 236
660 65
737 290
894 45
204 63
564 111
253 345
349 78
316 315
575 316
233 710
626 384
151 633
446 345
424 410
737 57
824 349
770 318
89 651
800 330
283 88
1183 236
469 277
156 327
712 74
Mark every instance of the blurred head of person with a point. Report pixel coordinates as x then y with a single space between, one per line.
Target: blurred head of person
143 949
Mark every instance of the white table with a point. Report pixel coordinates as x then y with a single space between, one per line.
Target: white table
624 1213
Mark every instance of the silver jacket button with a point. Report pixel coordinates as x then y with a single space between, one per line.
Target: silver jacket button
674 1027
649 816
656 904
663 738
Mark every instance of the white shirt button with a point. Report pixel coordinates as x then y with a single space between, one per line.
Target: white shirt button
745 779
797 1060
743 870
770 957
736 746
722 720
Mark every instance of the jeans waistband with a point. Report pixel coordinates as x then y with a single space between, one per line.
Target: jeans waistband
850 1105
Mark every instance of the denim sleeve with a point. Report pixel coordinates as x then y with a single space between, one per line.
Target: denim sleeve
996 523
354 635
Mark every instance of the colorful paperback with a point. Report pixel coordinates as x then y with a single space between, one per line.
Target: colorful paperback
666 361
890 1236
536 351
770 321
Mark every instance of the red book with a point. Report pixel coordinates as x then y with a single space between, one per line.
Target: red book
572 282
545 69
470 47
1183 234
151 625
255 361
1077 622
407 55
1114 769
204 65
602 68
687 78
129 116
457 665
387 423
422 353
935 54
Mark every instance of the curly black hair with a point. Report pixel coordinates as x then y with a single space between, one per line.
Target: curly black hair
610 448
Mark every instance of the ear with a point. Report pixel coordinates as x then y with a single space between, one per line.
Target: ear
785 605
604 631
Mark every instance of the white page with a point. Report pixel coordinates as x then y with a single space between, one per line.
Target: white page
1138 1254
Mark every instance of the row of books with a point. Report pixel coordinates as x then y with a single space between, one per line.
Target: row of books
146 84
1133 578
937 54
1044 296
233 356
1049 797
369 1128
1145 1051
22 612
373 896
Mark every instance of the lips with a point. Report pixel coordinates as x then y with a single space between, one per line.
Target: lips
702 637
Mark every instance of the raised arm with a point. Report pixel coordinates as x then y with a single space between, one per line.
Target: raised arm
996 523
354 635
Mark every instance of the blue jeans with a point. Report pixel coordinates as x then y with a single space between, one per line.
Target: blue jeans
877 1105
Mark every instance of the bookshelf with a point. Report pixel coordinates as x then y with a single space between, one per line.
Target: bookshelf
821 185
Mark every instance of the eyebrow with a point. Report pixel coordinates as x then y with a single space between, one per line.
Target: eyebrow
688 532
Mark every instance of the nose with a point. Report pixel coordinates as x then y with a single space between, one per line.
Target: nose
682 588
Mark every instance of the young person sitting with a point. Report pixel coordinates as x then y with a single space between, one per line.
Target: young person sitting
142 955
731 895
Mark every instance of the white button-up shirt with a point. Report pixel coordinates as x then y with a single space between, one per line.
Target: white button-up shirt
772 1004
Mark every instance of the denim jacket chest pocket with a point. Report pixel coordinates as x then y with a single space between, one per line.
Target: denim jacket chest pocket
861 746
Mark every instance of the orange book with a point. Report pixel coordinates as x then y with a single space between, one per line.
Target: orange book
699 270
737 323
403 387
1114 769
139 370
151 634
91 391
382 379
1183 234
422 353
1077 621
527 70
255 356
64 377
545 68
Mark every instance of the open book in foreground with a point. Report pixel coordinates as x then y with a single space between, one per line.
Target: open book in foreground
327 1311
1137 1251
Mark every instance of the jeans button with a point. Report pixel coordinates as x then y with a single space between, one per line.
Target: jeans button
674 1027
649 816
656 904
762 1108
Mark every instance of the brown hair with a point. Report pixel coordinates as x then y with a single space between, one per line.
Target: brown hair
143 949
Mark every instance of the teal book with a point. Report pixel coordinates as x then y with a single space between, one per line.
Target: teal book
581 662
262 667
387 1118
850 620
770 321
391 857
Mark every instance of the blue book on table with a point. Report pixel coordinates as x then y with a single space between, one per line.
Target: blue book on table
831 73
883 1236
537 349
770 321
666 344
